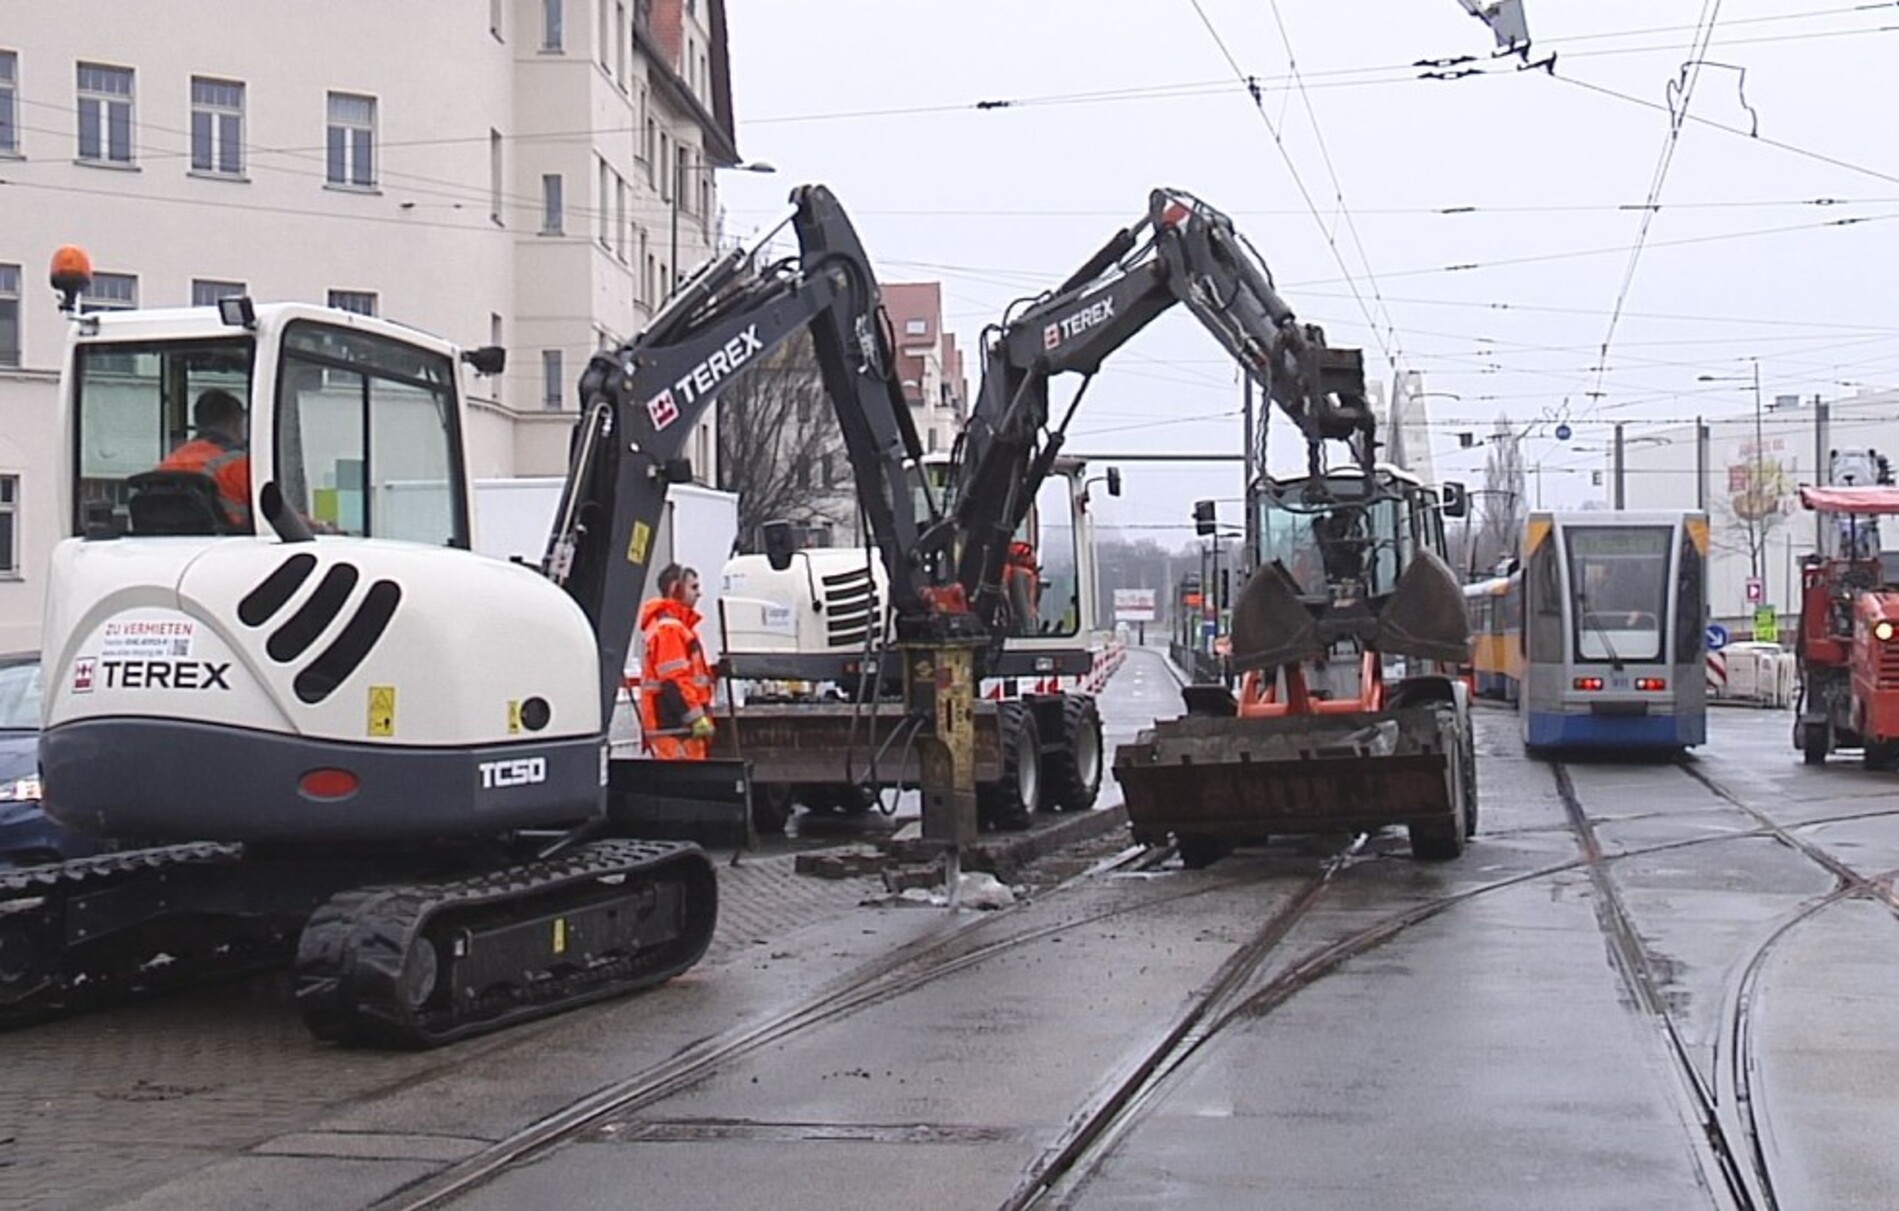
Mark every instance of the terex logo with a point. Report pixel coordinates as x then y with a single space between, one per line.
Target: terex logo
522 771
1091 316
664 407
160 675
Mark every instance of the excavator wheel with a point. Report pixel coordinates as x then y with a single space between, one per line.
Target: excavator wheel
772 805
1007 803
1199 851
1813 742
1074 765
1469 758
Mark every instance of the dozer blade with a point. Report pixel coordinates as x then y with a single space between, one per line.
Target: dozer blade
1248 778
1271 626
1425 615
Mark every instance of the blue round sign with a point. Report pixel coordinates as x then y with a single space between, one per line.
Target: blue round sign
1563 433
1717 637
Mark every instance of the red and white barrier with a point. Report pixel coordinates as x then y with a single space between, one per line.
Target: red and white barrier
1717 675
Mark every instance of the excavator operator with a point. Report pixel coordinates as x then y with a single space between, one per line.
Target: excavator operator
675 681
220 453
1022 587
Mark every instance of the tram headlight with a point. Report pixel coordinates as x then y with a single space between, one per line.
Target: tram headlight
1882 630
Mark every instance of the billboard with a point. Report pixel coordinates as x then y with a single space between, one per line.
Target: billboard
1134 605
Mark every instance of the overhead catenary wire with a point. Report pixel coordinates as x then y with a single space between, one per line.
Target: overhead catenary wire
1305 194
1691 74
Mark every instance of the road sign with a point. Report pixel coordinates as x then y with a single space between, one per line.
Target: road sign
1766 625
1756 592
1563 433
1134 605
1717 637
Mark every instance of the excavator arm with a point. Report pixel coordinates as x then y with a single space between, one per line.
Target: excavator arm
640 402
1184 251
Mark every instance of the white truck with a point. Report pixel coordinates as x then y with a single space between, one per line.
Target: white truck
808 632
513 518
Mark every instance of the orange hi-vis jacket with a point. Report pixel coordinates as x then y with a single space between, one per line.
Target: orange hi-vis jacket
228 464
675 681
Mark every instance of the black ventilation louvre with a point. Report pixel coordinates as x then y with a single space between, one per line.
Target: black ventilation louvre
294 637
278 587
341 658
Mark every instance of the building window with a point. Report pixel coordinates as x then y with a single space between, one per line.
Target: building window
550 24
9 525
602 214
553 205
352 142
646 149
206 293
621 41
112 292
494 330
217 126
361 302
105 114
9 103
619 217
494 177
681 165
552 379
9 315
916 327
494 19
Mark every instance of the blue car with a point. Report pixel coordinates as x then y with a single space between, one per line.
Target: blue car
27 837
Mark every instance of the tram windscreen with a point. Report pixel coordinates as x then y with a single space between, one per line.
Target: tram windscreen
1618 584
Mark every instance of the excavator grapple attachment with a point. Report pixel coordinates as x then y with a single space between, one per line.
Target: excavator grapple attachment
1425 616
1271 626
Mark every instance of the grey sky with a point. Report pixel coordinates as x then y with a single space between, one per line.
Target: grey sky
1003 203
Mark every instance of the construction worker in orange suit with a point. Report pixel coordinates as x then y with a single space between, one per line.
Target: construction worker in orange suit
675 681
1022 587
220 452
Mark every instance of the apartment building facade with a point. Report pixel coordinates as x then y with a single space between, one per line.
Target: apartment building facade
929 362
528 173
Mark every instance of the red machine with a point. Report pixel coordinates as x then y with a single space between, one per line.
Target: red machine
1848 642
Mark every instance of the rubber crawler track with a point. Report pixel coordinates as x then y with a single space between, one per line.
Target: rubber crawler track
357 960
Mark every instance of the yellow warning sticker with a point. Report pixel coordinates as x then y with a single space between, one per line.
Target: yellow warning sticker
382 710
514 716
642 538
560 935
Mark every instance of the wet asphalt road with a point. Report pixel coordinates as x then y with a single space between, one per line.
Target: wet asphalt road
1491 1054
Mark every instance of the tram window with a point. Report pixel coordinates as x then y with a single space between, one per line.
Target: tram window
1619 582
1690 602
1543 637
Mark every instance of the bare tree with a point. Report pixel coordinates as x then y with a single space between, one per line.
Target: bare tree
780 448
1500 501
1756 504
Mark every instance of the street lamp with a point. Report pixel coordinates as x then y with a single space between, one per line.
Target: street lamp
1756 540
679 184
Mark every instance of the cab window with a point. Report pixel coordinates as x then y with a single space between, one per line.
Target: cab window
367 437
132 407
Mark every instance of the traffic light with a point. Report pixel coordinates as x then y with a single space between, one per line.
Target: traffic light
1203 519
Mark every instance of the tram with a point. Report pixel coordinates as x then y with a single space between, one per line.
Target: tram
1494 607
1613 611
